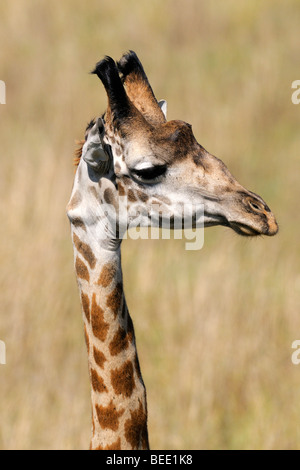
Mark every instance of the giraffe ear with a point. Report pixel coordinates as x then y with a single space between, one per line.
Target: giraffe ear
94 152
163 106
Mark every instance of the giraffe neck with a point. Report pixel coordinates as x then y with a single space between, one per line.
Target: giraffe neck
119 407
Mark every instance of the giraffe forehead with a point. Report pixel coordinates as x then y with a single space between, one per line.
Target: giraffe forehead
138 154
163 144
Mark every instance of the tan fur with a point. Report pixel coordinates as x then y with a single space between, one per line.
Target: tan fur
78 152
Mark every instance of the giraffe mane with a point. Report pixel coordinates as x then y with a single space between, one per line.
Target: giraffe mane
78 151
80 143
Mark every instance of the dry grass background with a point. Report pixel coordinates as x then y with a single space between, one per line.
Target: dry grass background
215 327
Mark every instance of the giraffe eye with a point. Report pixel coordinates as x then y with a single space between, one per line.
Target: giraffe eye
151 173
255 206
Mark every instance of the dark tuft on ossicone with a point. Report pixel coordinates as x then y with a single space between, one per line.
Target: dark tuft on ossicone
130 63
106 70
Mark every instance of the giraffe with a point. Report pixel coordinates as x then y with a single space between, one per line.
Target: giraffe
133 157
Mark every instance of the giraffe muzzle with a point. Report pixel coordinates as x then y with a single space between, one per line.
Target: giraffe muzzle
264 227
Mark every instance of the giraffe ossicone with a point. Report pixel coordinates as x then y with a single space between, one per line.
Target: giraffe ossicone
135 168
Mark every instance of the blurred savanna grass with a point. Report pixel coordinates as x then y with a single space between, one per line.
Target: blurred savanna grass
214 327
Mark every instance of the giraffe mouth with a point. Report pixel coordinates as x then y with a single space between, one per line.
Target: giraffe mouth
215 219
244 230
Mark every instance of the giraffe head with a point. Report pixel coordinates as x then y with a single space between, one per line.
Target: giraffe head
133 152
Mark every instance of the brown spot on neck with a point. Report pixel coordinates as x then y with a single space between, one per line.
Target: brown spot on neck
85 305
87 341
122 380
99 357
98 384
114 299
99 325
136 432
108 416
85 251
82 270
107 275
119 342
